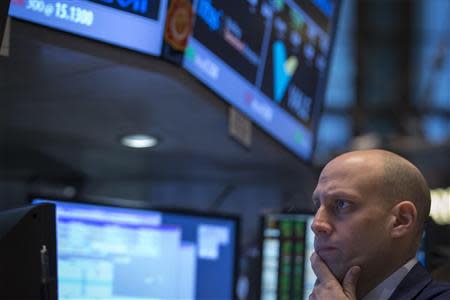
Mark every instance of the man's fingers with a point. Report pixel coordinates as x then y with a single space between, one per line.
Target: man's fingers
350 281
321 270
328 287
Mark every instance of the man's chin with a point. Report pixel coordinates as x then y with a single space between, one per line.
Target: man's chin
338 269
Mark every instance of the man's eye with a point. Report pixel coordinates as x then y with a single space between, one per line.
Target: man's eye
341 204
316 206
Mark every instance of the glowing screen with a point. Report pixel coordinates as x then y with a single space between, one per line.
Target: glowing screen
133 24
116 253
287 244
269 58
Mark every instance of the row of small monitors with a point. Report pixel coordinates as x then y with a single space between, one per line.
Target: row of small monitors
268 58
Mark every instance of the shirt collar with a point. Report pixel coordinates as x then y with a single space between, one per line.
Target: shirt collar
385 289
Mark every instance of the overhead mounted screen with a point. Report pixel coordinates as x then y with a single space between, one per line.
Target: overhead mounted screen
269 58
133 24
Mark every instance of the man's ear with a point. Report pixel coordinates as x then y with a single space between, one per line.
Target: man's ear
405 219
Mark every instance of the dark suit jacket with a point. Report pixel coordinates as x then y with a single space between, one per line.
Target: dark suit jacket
419 285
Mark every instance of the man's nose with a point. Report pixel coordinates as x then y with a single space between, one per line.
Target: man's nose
321 224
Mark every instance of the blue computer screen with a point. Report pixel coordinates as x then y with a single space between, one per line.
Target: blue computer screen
119 253
133 24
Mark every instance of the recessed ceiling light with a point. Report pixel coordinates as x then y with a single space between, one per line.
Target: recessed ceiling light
139 141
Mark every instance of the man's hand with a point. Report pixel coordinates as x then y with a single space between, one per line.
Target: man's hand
328 287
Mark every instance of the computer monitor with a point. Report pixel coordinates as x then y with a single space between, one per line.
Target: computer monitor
107 252
287 242
28 253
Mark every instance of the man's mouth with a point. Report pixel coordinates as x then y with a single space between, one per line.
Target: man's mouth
323 251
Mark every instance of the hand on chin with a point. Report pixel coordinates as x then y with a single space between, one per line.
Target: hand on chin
328 286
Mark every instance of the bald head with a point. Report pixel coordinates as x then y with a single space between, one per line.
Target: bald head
396 178
403 181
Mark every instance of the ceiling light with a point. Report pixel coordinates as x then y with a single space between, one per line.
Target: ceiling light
139 141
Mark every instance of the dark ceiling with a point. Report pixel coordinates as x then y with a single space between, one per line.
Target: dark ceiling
67 100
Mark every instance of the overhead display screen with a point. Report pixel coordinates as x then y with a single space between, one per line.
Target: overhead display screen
269 58
134 24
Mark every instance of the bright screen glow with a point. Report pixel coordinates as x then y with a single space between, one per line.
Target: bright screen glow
440 206
133 24
116 253
287 245
267 58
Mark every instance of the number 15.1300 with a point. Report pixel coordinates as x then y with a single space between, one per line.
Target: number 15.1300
74 14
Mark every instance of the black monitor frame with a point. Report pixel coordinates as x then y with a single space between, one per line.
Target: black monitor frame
28 253
4 8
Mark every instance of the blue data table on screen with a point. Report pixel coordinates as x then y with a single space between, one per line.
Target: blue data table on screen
116 253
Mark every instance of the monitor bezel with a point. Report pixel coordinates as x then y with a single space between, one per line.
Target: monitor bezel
4 8
31 231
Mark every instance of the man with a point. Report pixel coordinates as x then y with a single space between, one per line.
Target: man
371 209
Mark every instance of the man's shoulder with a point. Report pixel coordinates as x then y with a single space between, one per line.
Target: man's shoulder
418 284
436 290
